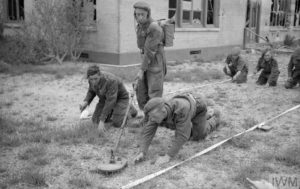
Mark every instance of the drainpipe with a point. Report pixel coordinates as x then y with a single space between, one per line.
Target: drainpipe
119 30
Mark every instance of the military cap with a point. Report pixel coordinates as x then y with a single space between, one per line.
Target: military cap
153 103
142 5
236 51
92 70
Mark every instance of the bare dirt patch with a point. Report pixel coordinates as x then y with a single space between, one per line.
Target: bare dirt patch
44 144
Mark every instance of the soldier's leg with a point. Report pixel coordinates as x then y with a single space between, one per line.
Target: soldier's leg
272 80
290 83
119 112
203 126
242 78
142 92
155 84
98 111
262 79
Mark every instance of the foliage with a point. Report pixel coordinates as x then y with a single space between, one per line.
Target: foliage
289 40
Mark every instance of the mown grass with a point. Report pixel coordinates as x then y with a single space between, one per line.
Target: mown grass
194 75
80 182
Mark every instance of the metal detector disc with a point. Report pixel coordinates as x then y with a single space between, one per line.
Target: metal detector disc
108 167
265 128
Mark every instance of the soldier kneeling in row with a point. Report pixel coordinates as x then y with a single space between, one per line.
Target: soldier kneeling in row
184 114
236 67
113 98
293 70
269 67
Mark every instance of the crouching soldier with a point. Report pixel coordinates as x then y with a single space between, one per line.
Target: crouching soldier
269 69
113 98
236 67
293 70
187 116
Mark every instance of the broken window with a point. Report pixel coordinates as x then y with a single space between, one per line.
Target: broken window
15 10
279 13
297 13
90 13
193 13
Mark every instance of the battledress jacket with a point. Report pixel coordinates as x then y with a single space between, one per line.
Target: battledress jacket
110 89
181 110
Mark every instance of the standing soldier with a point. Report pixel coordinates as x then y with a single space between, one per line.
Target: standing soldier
236 67
293 70
113 98
153 68
269 67
184 114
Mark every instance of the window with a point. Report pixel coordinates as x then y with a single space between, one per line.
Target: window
90 13
194 13
15 10
279 13
297 13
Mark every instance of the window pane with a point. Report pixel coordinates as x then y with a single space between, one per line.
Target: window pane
186 5
197 5
210 11
171 13
186 16
172 4
197 17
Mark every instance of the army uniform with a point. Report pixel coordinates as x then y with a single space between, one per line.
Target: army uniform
113 100
293 70
185 115
236 65
149 40
270 72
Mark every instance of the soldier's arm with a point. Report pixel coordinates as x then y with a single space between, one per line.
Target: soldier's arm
148 133
111 96
90 95
182 134
152 43
290 67
258 66
228 60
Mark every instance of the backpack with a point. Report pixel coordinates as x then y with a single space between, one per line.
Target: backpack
168 27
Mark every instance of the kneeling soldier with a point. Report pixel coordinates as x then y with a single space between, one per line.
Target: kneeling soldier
113 98
187 116
293 70
236 67
269 67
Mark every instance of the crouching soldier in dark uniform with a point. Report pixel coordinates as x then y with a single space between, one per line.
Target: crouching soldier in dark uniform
236 67
187 116
293 70
113 98
153 68
269 67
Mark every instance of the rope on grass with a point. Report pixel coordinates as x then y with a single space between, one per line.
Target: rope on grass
153 175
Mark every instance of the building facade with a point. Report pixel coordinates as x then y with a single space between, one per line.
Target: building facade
205 29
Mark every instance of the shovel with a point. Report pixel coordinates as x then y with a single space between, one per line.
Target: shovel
116 164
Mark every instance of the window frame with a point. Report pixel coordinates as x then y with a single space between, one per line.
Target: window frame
204 4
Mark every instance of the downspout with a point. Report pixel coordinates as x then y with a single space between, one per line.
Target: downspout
119 32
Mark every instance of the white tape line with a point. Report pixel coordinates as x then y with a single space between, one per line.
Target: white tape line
119 66
191 88
151 176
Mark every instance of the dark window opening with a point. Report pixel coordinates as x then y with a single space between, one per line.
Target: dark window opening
210 12
15 10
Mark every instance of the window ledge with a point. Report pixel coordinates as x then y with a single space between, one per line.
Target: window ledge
13 25
197 29
274 28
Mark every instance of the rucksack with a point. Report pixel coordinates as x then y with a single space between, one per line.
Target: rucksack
168 27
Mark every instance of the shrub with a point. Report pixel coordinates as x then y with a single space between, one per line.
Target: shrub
289 40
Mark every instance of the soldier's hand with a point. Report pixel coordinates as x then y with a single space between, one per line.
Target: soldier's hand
101 127
162 159
83 105
140 75
139 158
